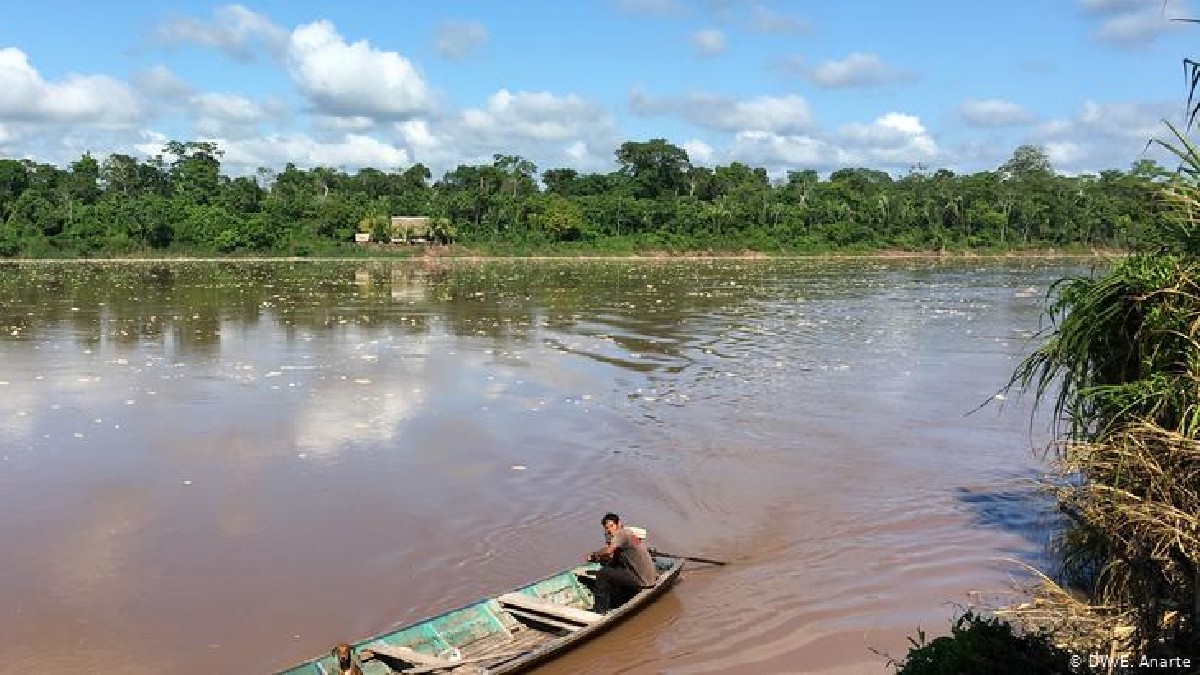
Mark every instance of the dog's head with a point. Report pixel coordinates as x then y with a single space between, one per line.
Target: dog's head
343 655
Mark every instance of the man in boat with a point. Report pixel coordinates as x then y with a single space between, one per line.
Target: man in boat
626 565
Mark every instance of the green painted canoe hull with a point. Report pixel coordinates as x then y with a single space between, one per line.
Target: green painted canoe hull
491 627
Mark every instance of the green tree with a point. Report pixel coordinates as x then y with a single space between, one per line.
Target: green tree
656 167
196 170
13 181
1027 161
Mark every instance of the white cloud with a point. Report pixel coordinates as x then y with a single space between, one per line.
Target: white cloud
161 83
92 100
416 134
230 115
354 79
858 69
1133 29
236 31
1102 135
456 40
782 114
699 152
1134 121
343 123
994 112
351 151
1065 153
578 151
533 115
764 20
1135 23
549 129
893 141
709 42
761 148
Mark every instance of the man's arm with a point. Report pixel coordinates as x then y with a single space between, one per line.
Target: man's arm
605 553
619 540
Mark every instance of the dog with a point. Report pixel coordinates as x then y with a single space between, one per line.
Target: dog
347 665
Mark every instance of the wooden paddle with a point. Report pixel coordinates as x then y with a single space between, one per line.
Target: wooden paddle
709 561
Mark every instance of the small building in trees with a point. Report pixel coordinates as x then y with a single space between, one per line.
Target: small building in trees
404 230
410 229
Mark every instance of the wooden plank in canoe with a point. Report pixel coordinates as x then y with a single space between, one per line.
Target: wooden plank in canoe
543 620
410 655
530 603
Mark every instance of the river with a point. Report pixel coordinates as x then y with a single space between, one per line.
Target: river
232 466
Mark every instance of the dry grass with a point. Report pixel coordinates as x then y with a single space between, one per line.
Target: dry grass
1071 623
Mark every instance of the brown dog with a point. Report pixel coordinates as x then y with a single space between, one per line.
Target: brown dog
347 665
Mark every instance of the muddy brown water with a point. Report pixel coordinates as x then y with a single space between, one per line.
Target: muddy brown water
218 466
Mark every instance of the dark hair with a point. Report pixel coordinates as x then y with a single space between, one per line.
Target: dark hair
610 516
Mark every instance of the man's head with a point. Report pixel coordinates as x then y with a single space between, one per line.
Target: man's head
611 523
344 655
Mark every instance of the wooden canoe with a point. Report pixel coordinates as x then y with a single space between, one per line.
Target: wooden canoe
507 633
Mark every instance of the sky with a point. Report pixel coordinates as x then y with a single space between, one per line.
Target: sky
781 84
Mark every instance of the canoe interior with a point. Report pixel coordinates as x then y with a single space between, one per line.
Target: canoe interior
490 628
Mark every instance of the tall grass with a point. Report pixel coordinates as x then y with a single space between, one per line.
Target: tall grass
1122 367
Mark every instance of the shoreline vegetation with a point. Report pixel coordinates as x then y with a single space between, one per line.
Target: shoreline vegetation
1121 367
450 256
655 204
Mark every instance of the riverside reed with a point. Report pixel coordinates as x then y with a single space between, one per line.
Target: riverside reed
1121 365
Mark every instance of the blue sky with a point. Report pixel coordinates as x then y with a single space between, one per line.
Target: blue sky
783 84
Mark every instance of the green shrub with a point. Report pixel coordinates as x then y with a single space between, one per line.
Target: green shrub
980 645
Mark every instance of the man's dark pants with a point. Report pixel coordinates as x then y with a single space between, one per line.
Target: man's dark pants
614 583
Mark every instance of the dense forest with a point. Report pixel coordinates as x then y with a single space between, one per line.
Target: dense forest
180 202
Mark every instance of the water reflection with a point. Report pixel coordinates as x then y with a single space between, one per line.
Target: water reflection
199 459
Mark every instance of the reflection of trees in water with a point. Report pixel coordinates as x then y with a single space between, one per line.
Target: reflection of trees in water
642 307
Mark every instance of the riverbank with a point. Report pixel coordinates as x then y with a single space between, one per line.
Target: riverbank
451 254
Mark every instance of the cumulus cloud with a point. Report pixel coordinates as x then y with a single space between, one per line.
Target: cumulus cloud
781 114
93 100
777 151
346 79
549 129
418 135
351 151
858 69
231 115
1101 135
235 31
534 115
456 40
1135 23
893 141
764 20
1065 153
699 152
1134 121
161 83
994 112
343 123
709 42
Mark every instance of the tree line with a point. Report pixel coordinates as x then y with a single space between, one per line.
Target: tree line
180 202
